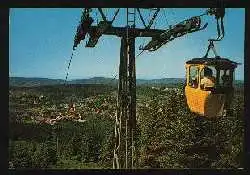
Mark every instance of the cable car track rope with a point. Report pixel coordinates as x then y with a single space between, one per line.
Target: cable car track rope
71 57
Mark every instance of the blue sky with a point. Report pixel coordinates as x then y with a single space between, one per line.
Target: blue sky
41 41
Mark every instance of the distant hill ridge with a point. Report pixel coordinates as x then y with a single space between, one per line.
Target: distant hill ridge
30 82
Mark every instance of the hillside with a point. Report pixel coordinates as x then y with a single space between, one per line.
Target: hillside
45 134
32 82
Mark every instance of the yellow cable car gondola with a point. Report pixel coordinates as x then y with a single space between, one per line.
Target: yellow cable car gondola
209 85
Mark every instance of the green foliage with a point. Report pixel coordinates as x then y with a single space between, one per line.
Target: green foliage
29 131
165 134
83 141
20 153
43 156
57 94
172 137
76 141
25 154
74 164
168 135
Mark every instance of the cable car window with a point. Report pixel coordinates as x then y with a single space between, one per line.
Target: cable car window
225 78
193 76
208 77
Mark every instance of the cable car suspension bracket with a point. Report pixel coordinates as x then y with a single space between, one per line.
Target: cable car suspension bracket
211 46
187 26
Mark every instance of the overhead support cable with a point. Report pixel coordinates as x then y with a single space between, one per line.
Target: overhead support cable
141 17
153 18
102 14
116 13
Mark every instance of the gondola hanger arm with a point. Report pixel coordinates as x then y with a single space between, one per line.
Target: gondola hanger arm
102 14
211 46
141 17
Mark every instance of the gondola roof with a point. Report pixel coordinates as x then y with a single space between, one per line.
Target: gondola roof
220 62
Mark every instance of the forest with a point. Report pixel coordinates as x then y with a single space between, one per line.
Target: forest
169 135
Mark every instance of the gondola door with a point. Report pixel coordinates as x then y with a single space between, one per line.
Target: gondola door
194 97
